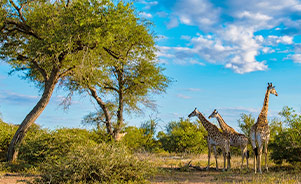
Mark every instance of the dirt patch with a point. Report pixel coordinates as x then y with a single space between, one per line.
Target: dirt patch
12 178
199 175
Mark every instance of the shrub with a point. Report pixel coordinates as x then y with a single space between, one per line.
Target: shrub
286 145
7 132
142 139
96 163
183 136
39 144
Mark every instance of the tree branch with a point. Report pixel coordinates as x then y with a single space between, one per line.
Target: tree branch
104 108
113 54
19 10
111 88
21 28
127 53
69 70
36 65
43 72
67 3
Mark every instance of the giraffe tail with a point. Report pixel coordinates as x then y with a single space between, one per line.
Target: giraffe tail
248 154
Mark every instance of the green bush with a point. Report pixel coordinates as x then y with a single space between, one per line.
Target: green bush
184 136
142 139
96 163
286 145
7 132
39 144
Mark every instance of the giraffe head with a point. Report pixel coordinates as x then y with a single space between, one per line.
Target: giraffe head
194 113
214 114
272 89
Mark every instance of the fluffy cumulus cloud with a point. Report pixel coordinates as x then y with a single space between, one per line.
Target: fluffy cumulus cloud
232 31
201 13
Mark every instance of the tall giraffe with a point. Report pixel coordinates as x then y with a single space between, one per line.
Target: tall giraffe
260 131
236 139
215 138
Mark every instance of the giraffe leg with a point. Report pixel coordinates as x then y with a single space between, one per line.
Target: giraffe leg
224 155
247 158
255 149
209 154
242 158
260 146
266 156
229 162
215 155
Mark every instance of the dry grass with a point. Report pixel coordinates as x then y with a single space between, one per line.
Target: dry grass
174 169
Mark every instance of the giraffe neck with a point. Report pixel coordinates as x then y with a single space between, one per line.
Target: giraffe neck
264 111
207 125
223 124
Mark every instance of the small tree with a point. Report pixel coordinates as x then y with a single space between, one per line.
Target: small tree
183 136
245 123
128 68
287 143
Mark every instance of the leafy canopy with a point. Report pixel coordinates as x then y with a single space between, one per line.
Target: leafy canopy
43 37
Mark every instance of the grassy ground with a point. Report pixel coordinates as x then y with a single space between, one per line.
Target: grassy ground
190 169
175 169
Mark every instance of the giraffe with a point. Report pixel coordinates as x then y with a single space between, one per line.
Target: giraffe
236 139
215 138
260 132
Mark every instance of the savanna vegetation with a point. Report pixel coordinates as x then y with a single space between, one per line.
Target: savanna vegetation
104 49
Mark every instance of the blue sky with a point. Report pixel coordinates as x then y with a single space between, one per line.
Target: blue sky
220 54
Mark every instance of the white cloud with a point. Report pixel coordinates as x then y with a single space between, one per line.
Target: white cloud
296 58
183 96
193 89
201 13
274 40
236 42
255 16
148 4
146 15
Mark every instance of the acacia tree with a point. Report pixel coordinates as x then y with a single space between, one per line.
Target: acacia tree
48 40
128 67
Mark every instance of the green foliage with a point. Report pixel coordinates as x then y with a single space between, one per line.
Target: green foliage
142 139
93 163
128 72
40 144
7 132
286 145
183 136
245 123
49 38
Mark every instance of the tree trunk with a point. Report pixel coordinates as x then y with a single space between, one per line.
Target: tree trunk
119 115
30 118
105 110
